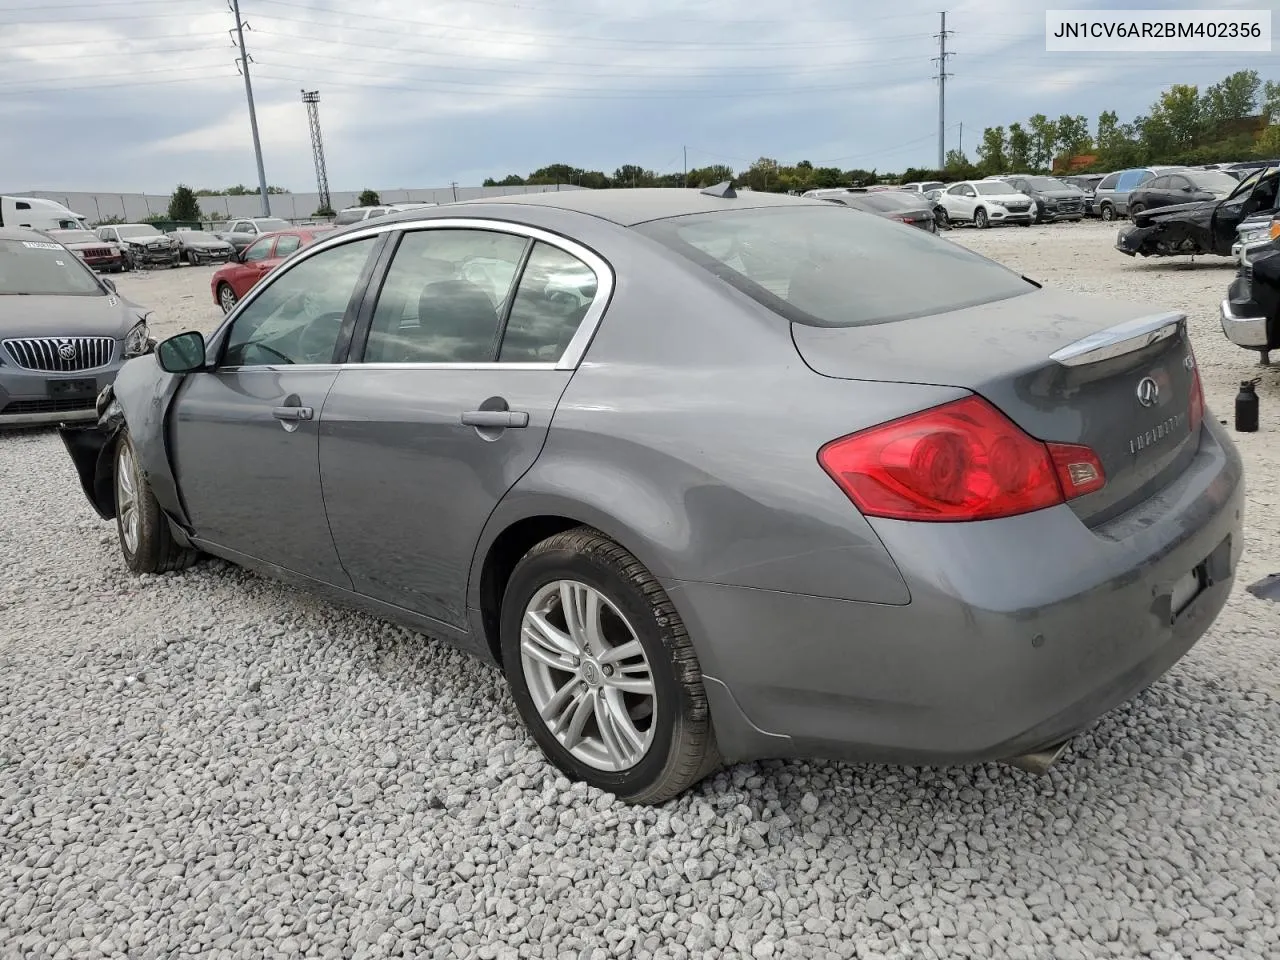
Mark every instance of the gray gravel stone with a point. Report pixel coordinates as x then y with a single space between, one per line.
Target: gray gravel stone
212 764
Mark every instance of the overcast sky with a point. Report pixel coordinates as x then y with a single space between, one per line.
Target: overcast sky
132 95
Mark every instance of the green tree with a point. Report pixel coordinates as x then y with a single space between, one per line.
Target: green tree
710 176
1019 149
1044 138
324 212
1073 135
1179 111
183 205
368 198
827 178
1232 98
510 180
633 175
1269 142
762 175
991 150
1271 101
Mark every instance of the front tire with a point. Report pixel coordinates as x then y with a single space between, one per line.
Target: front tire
590 639
980 219
941 219
192 258
146 542
1136 209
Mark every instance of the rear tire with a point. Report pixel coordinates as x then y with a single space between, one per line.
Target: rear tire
646 743
146 542
980 219
1107 212
226 297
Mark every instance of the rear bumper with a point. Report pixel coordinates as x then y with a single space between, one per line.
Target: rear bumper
1004 648
1240 323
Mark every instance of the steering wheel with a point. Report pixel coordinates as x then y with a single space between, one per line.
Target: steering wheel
316 339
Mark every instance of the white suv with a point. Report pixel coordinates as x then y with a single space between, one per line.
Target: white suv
985 202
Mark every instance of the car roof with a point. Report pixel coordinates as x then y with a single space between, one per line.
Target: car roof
625 207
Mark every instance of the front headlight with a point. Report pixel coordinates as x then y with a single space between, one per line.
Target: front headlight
135 341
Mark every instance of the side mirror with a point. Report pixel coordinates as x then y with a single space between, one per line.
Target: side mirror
108 283
182 353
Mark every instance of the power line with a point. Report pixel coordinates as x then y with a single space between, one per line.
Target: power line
107 86
109 76
90 40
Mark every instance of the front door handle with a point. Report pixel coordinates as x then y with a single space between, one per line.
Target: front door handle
495 418
292 413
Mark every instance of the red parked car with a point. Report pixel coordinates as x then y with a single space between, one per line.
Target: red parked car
255 261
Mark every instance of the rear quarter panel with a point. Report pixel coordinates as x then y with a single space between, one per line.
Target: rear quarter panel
690 434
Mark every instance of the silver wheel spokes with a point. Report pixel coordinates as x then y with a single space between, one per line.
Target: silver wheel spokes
588 675
127 498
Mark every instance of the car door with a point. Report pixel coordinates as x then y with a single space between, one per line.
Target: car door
244 433
958 203
255 263
474 336
243 233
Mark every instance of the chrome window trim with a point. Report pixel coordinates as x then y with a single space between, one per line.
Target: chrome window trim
573 353
338 367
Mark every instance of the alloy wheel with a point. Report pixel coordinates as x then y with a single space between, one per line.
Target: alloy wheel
127 497
588 676
226 298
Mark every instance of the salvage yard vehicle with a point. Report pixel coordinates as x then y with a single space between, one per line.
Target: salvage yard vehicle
35 213
1183 186
199 246
143 244
250 265
1205 227
910 208
752 490
64 332
1250 313
243 232
1052 199
98 254
983 203
1111 198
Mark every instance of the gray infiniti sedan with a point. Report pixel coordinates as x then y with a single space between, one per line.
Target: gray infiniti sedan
711 476
64 332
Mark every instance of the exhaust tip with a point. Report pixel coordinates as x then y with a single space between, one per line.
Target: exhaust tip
1040 761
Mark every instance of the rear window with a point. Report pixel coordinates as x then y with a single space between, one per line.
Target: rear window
888 202
41 268
345 217
819 266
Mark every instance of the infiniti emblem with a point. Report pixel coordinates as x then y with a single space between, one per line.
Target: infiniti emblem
1148 392
590 672
67 350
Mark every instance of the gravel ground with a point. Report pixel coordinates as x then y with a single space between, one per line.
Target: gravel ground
210 764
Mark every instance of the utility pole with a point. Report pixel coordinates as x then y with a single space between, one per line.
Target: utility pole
686 166
941 61
312 99
243 63
455 189
961 143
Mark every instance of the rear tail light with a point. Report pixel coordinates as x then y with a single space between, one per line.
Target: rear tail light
964 460
1195 415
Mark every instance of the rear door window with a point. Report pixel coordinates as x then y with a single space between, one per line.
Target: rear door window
555 292
1128 180
1109 181
819 266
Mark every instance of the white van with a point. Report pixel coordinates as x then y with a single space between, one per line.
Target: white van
38 214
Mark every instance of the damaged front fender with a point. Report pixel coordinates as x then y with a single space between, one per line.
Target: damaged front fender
90 447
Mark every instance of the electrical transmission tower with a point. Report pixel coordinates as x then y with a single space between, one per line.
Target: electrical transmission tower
941 61
312 99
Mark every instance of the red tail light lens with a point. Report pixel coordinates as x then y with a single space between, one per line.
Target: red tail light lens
961 461
1196 413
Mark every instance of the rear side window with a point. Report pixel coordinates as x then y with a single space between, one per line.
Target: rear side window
1128 180
819 266
555 293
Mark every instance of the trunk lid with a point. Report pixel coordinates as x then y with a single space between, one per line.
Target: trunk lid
1065 368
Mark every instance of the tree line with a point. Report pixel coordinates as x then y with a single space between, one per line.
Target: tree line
1237 118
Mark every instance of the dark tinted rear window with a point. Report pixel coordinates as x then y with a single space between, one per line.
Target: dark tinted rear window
820 266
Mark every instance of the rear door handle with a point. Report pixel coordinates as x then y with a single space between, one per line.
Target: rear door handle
292 413
495 418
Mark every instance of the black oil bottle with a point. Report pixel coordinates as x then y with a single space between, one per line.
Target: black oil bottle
1247 407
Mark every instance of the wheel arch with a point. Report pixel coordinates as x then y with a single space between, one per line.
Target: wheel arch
520 523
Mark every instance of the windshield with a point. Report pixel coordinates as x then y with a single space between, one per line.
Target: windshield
139 231
1213 182
44 269
74 236
1047 183
994 188
268 224
819 266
